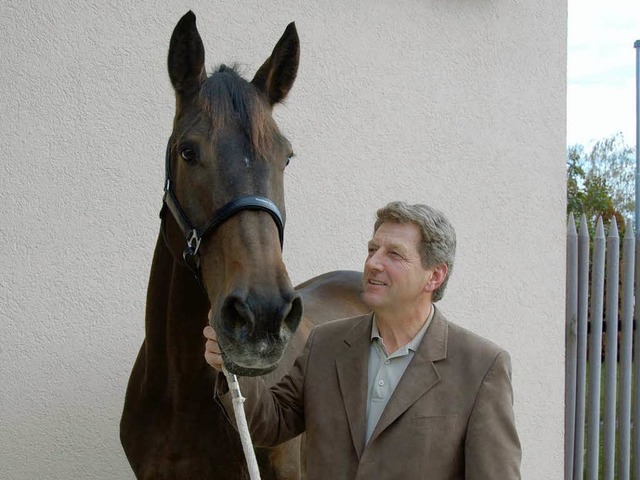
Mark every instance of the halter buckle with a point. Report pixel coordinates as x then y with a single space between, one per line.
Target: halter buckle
193 242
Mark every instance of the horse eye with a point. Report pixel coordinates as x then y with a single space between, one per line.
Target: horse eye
188 154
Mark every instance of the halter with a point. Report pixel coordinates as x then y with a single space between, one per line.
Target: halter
193 234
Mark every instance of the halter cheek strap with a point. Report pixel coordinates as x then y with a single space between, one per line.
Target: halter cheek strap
193 234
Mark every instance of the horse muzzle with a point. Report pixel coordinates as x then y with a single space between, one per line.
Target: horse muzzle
253 331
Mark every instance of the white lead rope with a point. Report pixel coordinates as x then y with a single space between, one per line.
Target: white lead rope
243 428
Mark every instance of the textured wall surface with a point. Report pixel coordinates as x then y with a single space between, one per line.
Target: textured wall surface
453 103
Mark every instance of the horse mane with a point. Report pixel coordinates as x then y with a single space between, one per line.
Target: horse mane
229 98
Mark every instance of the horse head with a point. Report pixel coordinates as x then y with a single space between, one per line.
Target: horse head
225 173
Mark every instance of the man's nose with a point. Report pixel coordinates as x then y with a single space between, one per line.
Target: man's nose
373 261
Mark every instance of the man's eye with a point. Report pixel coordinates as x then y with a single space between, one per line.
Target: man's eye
289 159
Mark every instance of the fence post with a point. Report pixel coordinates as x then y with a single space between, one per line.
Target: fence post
595 352
581 371
611 351
571 338
626 350
636 372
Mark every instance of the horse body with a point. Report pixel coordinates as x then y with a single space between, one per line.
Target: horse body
224 145
171 426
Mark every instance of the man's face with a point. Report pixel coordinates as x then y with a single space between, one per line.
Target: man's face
394 277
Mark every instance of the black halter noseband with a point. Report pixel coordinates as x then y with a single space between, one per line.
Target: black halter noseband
193 234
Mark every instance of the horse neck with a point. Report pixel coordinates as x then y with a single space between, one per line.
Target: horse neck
176 315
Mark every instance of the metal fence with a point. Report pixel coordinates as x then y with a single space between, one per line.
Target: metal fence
602 376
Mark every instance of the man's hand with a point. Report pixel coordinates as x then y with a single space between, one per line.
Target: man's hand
212 349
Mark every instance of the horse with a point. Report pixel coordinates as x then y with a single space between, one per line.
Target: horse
219 249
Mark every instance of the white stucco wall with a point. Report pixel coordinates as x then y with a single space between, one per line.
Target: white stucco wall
453 103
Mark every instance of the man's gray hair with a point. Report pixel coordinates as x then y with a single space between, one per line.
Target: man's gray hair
438 244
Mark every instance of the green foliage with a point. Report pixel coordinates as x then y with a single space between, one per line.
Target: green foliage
601 182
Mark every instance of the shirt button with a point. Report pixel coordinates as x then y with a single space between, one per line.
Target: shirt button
387 362
381 382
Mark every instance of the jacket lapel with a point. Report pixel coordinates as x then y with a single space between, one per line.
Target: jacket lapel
419 377
352 377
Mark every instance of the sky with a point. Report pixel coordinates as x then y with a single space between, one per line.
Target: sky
601 70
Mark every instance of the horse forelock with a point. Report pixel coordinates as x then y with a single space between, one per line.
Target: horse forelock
229 98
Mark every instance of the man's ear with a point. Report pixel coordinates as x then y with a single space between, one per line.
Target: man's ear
438 275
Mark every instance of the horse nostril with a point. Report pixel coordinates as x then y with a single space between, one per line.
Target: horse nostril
292 320
238 317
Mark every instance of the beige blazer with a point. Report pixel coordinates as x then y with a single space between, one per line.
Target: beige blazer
450 417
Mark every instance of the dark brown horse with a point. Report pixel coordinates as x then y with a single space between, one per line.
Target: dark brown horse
224 194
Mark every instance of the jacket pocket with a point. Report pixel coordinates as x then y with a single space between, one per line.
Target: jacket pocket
435 422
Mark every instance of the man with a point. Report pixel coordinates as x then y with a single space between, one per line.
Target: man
399 393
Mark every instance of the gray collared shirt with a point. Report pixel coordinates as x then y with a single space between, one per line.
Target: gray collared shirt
385 371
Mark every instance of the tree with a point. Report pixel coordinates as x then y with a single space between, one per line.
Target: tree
601 182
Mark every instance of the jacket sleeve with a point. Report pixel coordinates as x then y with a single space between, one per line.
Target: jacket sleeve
492 446
274 414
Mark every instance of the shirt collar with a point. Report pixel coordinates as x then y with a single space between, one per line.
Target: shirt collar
415 341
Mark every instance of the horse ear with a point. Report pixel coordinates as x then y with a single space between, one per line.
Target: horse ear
276 75
186 56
